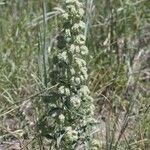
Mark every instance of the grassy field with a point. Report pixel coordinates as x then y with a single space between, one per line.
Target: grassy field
117 35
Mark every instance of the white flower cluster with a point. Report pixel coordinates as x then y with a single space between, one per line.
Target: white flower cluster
64 90
84 91
74 8
77 27
63 57
61 118
71 135
75 101
80 39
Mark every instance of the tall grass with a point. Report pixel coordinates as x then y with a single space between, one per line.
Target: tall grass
117 35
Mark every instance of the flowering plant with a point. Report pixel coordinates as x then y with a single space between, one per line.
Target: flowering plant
70 106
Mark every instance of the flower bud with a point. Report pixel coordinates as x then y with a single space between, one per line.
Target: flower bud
61 118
